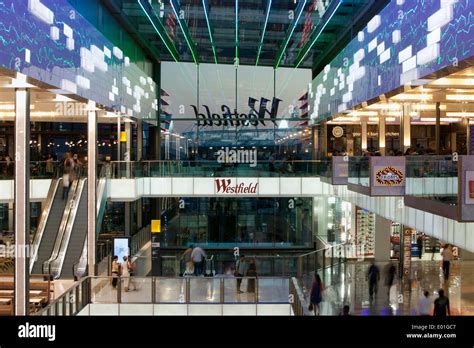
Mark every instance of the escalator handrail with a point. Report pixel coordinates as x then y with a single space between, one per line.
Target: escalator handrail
56 265
43 221
62 226
80 264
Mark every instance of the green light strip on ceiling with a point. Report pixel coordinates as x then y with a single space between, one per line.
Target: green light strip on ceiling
263 31
282 50
184 29
163 35
206 8
306 48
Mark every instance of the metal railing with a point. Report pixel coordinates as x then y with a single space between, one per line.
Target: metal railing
169 290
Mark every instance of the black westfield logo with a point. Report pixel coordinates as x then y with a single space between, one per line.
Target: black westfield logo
255 116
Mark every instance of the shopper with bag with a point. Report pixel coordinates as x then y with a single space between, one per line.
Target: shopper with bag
316 296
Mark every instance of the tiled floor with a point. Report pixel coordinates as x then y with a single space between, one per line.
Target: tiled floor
353 289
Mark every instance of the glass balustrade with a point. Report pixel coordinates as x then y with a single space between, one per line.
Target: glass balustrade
432 177
359 171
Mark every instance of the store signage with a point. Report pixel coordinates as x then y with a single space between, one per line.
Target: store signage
389 176
407 233
337 131
469 190
230 186
228 118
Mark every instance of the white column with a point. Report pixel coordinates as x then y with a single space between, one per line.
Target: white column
363 134
406 127
382 238
91 186
11 216
22 204
382 135
119 143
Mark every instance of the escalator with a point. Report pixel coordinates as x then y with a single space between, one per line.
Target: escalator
48 227
73 226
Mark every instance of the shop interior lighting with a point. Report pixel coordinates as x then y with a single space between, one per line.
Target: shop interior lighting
184 28
146 8
306 48
460 114
460 97
299 11
267 15
206 15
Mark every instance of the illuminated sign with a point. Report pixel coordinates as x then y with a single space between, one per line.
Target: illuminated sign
389 176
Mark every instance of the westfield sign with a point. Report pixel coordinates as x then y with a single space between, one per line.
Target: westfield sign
228 118
226 186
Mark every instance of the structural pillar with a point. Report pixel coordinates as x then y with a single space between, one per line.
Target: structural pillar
405 128
22 204
315 143
363 134
91 186
382 135
139 140
119 142
438 129
324 139
382 239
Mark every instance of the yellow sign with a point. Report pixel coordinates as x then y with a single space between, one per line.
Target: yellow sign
123 137
155 226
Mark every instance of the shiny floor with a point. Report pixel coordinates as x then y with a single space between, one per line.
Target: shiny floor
351 288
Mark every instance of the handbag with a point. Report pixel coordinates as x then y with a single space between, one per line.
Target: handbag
310 307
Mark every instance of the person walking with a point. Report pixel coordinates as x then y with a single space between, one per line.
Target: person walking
125 273
373 277
424 305
68 169
447 255
391 271
131 271
115 271
198 256
419 245
316 295
49 165
252 274
441 305
188 261
239 271
346 311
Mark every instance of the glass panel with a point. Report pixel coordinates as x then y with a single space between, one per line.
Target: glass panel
205 290
359 170
247 287
136 290
103 291
275 290
170 290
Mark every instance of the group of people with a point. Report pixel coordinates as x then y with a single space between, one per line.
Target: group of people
71 169
242 270
194 259
125 270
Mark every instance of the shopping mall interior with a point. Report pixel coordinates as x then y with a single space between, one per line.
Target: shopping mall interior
244 157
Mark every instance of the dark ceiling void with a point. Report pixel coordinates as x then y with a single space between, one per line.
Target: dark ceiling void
276 33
